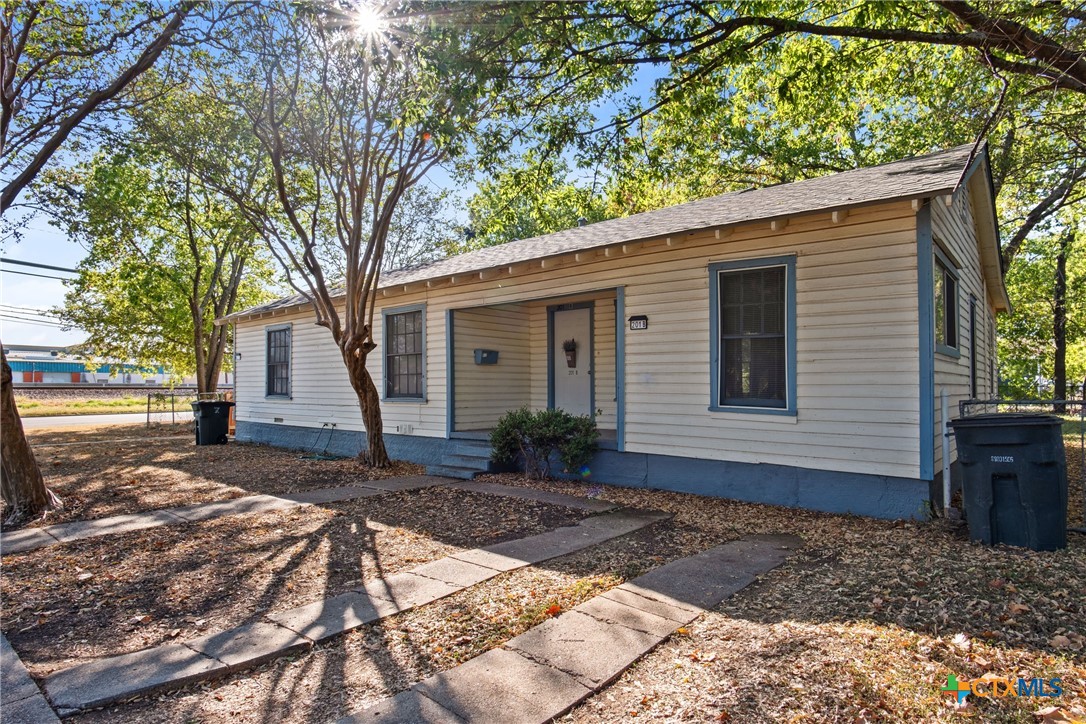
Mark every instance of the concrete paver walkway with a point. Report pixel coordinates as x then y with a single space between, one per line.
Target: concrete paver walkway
20 698
546 671
100 682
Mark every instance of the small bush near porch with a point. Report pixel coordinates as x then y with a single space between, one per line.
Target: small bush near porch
537 436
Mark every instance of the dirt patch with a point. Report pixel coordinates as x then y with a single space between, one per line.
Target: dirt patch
108 596
101 472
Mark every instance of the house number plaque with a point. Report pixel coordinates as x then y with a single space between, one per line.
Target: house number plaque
639 321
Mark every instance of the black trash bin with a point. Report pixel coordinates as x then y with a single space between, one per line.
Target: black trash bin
1014 479
212 421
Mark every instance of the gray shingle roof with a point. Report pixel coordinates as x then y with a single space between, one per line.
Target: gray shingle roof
927 175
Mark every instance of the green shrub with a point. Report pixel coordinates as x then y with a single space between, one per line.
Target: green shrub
535 436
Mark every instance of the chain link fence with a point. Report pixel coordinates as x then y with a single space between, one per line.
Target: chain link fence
1073 414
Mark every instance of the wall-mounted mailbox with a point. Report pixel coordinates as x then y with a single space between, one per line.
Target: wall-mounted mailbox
639 321
486 356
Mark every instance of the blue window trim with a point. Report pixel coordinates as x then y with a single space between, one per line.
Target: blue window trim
789 263
385 314
591 306
952 268
290 361
925 263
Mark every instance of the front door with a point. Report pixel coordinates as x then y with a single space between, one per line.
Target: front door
571 360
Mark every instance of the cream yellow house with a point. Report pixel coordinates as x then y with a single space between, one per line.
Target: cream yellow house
784 345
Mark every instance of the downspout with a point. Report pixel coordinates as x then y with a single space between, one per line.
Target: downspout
946 452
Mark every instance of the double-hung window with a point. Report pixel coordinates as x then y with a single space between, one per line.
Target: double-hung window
277 354
754 329
404 349
945 287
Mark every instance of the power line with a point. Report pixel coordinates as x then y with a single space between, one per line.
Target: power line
33 322
43 276
29 315
24 320
29 310
39 266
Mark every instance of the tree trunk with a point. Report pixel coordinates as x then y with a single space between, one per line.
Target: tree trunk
1059 322
369 401
21 483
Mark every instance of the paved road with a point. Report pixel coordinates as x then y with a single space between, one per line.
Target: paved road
39 423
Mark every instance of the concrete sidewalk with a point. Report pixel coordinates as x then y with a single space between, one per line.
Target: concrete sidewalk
29 539
122 418
20 698
545 672
169 666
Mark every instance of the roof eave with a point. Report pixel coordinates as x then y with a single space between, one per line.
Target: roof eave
258 314
981 191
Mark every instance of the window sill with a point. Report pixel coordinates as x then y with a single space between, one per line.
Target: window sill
778 411
278 397
948 351
404 400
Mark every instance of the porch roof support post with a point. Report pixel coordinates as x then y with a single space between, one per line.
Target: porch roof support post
450 382
620 369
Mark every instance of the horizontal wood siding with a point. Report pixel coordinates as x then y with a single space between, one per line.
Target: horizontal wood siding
954 230
858 357
320 390
485 392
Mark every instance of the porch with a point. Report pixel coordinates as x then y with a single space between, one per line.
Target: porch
505 356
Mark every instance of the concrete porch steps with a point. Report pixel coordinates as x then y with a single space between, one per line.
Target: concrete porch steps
464 459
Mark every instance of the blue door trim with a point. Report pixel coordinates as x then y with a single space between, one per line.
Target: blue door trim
620 369
926 334
450 375
590 305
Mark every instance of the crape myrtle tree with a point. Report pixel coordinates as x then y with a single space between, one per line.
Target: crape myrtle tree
354 105
63 67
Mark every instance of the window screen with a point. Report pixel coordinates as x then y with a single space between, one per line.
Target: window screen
753 360
403 355
946 306
278 356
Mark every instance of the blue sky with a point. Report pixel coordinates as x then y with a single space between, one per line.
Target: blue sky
41 244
